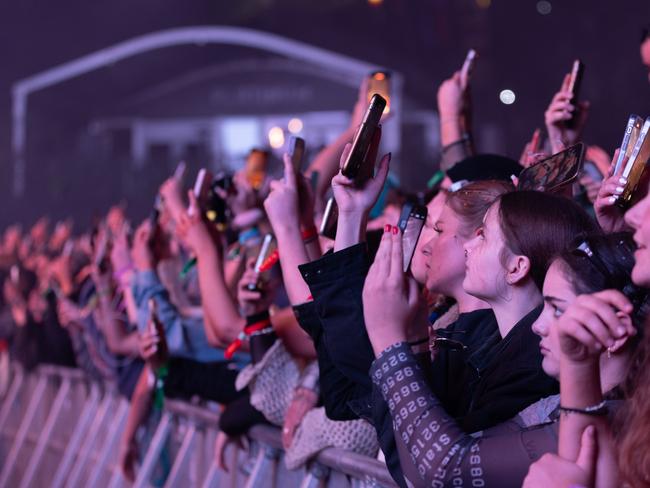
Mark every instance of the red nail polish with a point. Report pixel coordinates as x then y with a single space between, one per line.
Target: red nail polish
395 229
387 228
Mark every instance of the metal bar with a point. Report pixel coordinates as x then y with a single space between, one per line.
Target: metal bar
89 441
88 410
34 403
45 434
315 477
10 399
181 457
153 453
212 477
110 444
264 469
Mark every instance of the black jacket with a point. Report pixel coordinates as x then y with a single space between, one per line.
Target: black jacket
488 380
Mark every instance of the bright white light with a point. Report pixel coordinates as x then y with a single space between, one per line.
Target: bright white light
276 137
295 126
544 7
507 97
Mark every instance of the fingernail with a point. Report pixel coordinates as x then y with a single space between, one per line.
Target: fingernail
395 229
619 189
623 180
386 228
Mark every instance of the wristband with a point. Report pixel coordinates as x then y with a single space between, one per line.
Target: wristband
248 331
309 235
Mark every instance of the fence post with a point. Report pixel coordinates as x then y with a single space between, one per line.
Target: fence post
264 469
10 399
315 477
34 403
88 410
110 443
181 457
153 453
45 434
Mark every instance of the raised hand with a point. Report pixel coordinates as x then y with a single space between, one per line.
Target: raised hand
594 323
390 298
559 113
609 215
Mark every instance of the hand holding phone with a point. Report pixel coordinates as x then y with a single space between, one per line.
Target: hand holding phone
574 85
296 152
555 172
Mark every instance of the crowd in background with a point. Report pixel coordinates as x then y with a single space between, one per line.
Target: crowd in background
513 350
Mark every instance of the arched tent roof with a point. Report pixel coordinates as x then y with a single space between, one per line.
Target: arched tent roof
353 69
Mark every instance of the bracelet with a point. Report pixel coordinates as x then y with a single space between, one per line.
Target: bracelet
594 410
264 331
249 330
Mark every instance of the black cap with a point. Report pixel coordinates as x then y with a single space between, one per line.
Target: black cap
484 167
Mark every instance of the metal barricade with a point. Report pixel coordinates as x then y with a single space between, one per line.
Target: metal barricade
55 420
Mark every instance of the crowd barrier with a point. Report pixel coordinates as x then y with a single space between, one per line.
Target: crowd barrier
60 429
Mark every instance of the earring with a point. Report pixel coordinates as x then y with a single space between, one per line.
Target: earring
609 353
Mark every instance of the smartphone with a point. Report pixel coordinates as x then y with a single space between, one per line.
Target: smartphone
575 82
330 219
179 172
379 82
201 188
410 223
313 181
155 213
634 169
216 208
265 252
102 250
632 131
68 247
554 172
256 166
14 274
297 152
353 167
468 65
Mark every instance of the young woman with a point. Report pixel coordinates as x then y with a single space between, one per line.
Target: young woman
436 445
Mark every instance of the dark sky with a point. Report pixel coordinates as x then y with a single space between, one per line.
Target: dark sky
425 40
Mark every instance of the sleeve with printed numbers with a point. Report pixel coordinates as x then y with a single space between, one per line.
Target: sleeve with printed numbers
441 452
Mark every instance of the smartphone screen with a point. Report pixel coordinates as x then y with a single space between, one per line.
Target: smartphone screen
411 222
296 152
379 82
554 172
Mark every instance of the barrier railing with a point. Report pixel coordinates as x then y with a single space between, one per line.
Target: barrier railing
59 429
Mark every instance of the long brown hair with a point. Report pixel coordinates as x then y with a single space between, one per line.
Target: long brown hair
541 225
634 429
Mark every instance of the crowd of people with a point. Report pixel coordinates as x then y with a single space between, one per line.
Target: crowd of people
512 349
